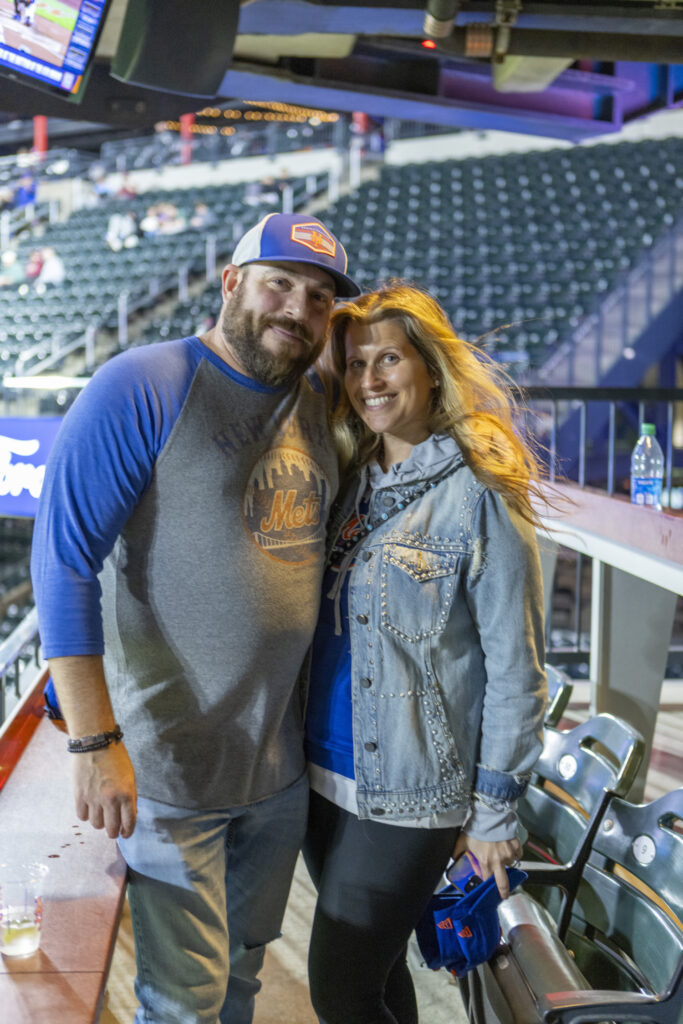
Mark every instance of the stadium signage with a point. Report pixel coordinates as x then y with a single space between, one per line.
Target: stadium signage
24 448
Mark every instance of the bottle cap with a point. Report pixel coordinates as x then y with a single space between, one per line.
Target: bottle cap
647 428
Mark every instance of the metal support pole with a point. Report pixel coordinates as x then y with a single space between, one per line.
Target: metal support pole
333 189
626 293
5 230
355 160
183 277
610 447
123 319
553 443
582 445
669 450
90 346
210 258
287 199
577 601
599 345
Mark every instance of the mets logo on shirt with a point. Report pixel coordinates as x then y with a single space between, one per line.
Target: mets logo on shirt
314 236
284 505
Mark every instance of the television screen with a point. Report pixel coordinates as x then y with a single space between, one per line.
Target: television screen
49 43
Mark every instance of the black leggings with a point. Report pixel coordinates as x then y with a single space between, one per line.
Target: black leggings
373 881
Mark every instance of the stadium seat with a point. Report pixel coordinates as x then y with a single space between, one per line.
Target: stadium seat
577 773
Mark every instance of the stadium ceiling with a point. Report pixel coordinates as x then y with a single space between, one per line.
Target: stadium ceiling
563 69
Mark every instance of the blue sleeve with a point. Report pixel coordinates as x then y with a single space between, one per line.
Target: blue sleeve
101 464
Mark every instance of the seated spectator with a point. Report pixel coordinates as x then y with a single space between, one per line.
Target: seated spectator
264 192
52 271
34 265
11 271
126 189
202 217
170 219
6 198
122 231
100 185
149 225
25 192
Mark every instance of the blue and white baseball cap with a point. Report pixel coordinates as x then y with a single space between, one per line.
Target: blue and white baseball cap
296 238
459 931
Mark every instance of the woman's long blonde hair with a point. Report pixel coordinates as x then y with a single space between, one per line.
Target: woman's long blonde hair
473 402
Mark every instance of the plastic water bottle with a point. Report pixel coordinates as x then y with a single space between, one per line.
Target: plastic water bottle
647 469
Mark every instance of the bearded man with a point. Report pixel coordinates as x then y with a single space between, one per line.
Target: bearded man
177 560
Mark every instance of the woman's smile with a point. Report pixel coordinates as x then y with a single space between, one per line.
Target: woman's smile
389 385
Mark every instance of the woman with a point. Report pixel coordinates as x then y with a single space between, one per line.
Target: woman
427 687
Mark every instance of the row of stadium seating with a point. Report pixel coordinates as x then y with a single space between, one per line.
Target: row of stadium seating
603 904
515 258
96 275
524 245
510 292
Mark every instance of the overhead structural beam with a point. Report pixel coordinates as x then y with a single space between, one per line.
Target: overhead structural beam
577 46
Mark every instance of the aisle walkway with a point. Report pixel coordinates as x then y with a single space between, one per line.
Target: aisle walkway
284 999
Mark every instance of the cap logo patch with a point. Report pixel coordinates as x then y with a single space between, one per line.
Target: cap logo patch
314 237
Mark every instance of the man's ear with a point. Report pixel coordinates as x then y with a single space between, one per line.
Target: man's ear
230 277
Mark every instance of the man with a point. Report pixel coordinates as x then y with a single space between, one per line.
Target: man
190 485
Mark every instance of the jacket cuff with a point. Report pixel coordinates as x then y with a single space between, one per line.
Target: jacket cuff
500 785
491 820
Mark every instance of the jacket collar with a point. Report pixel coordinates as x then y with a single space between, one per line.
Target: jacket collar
429 458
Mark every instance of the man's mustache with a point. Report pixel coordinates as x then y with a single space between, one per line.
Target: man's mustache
293 326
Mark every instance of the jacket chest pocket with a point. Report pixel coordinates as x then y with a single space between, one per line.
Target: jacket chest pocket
418 584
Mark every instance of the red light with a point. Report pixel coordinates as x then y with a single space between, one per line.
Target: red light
429 44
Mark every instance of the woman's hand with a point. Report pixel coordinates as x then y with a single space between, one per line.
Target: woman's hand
492 857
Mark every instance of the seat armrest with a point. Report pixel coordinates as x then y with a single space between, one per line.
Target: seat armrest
531 936
595 1005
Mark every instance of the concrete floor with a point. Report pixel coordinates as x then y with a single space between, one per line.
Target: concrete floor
284 997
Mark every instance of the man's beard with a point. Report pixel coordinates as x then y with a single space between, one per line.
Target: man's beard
242 330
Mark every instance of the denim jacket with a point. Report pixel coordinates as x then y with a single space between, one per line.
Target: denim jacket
446 627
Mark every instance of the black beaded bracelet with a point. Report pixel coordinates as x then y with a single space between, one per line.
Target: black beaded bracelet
98 741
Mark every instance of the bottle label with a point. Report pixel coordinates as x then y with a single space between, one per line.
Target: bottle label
646 490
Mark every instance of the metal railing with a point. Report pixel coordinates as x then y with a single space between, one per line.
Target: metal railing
611 333
546 419
16 652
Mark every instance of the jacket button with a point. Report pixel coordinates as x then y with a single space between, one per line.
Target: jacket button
362 619
365 682
377 810
370 746
366 556
388 500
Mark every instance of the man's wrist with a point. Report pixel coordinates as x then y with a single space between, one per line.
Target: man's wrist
97 741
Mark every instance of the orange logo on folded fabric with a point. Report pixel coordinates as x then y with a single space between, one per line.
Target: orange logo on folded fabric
466 933
445 924
314 236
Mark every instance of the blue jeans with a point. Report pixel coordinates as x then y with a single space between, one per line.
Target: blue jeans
207 891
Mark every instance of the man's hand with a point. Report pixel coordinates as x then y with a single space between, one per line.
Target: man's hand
492 857
104 780
105 791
